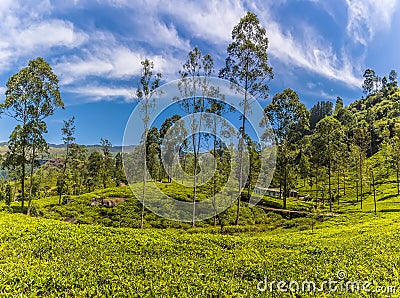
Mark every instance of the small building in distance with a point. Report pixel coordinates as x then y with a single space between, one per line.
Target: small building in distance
275 192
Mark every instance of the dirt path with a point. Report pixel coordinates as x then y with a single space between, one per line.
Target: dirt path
296 212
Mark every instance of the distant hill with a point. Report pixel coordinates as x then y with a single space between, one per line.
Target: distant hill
56 146
58 149
114 149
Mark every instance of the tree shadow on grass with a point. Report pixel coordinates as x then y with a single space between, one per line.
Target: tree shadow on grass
387 197
390 210
17 209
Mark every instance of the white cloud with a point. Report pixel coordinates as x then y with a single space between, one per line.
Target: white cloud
47 34
150 27
159 26
97 93
6 6
213 21
367 17
210 20
75 68
161 34
309 51
26 32
110 61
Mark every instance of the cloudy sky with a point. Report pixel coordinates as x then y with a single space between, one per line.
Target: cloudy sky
319 48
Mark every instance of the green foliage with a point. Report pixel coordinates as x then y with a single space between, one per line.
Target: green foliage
107 166
149 82
371 81
289 120
319 111
328 147
48 258
8 195
247 59
119 170
247 66
352 154
87 209
32 95
339 105
94 167
67 131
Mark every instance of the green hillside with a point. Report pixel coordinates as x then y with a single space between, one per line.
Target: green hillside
41 257
58 150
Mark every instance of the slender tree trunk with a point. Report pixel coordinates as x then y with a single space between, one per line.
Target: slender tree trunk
33 157
80 184
361 182
23 181
373 186
196 150
285 190
370 183
28 212
338 182
75 184
194 191
330 190
240 179
15 190
184 166
143 193
215 171
338 186
241 148
397 179
144 176
63 176
316 183
104 175
23 166
357 189
344 182
250 177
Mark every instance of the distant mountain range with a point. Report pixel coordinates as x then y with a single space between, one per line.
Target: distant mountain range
58 148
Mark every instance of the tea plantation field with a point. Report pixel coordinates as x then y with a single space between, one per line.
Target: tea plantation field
44 257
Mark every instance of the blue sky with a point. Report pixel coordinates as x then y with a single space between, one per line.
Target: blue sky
319 48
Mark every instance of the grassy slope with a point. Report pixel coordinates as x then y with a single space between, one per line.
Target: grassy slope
45 257
386 191
127 214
